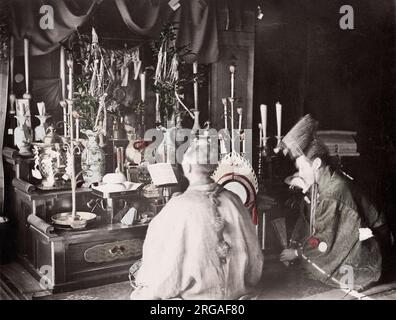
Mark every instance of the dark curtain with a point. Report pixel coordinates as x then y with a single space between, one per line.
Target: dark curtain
49 92
25 22
195 19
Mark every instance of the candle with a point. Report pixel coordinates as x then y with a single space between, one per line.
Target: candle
118 152
122 159
239 110
263 235
77 129
26 59
225 113
195 72
71 133
58 159
63 104
263 109
70 66
157 108
279 118
12 95
232 124
232 70
143 86
62 72
223 148
12 65
41 108
261 135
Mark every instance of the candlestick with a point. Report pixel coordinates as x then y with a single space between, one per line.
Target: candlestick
143 86
26 95
62 72
71 151
278 118
232 70
195 72
263 109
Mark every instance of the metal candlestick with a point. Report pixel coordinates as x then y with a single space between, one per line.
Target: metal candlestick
74 219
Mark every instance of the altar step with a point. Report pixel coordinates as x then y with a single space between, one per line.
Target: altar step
16 283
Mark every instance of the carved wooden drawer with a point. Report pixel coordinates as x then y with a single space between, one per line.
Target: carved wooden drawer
112 251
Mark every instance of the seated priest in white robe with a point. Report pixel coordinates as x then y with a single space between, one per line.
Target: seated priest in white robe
202 245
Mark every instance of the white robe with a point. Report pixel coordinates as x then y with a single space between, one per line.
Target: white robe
179 257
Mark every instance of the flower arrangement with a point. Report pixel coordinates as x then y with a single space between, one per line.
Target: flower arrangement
170 73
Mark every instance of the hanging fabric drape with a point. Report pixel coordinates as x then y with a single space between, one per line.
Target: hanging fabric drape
195 20
25 19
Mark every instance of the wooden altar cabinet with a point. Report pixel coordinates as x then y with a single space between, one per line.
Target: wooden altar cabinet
64 260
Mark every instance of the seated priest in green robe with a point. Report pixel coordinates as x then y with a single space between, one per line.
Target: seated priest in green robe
334 236
202 245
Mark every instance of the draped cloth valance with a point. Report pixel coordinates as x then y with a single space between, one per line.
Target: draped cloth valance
195 20
25 22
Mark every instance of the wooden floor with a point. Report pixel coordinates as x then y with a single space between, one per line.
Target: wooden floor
278 283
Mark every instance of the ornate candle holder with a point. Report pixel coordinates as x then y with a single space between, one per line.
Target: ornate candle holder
41 129
72 146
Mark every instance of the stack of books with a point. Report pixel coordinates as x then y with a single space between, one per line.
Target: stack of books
341 143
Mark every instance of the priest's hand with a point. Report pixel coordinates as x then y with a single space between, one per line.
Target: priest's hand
288 255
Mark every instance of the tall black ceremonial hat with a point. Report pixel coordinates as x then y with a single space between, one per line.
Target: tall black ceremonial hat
299 137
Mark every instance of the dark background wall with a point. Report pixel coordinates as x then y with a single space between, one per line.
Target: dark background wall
344 78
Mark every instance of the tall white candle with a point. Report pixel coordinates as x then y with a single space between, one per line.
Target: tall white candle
26 59
12 96
239 110
261 134
77 129
279 118
62 72
143 86
71 133
263 110
12 65
225 113
232 124
70 66
232 70
41 108
195 72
